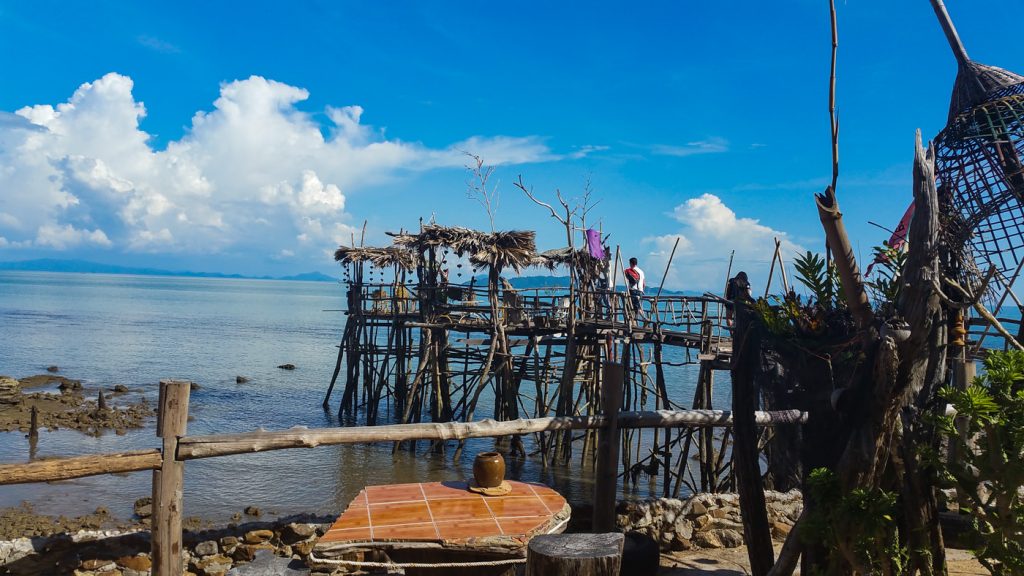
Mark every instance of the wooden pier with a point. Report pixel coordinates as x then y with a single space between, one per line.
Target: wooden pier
420 344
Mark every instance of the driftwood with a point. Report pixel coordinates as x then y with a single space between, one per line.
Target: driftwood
192 447
79 467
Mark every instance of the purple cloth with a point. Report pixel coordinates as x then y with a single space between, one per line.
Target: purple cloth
594 244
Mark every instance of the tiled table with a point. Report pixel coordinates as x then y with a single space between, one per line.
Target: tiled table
447 516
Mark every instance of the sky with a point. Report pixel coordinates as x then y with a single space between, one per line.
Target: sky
256 137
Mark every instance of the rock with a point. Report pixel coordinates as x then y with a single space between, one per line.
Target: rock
246 552
97 565
258 536
720 513
697 508
287 366
780 530
10 390
216 565
729 538
143 507
67 386
229 541
303 548
296 532
266 564
241 379
192 386
707 540
121 389
52 369
140 563
206 548
683 529
252 511
702 522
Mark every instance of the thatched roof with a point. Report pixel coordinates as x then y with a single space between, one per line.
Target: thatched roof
380 257
582 259
512 249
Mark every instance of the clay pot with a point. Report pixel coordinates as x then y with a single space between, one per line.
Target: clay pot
488 469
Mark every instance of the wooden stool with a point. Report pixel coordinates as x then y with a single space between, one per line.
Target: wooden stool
578 554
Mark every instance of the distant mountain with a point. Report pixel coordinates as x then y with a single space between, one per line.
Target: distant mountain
85 267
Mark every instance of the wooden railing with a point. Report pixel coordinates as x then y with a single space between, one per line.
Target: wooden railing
168 463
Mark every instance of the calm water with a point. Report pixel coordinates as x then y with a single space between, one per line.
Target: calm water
137 330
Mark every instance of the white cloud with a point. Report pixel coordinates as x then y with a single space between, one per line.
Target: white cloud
710 230
61 237
713 145
255 171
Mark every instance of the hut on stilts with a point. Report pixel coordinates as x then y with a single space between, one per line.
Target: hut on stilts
421 341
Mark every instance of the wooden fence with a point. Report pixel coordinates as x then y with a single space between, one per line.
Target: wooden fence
168 464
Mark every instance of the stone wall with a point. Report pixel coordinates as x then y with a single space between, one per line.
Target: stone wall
705 520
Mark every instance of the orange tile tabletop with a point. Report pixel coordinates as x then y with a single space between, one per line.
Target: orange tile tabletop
447 511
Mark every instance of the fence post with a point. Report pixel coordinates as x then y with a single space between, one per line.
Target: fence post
168 481
606 481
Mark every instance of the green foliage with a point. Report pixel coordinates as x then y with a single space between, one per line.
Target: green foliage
856 527
887 285
777 319
990 469
811 271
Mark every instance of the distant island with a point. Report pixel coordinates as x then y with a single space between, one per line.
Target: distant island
85 267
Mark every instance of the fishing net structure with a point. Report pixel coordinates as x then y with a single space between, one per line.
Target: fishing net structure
980 173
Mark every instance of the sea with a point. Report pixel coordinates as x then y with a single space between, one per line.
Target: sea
137 330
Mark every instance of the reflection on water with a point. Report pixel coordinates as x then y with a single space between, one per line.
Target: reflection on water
137 330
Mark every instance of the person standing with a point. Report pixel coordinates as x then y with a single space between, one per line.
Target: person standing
636 281
738 288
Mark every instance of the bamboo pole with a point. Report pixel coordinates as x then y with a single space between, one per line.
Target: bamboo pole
52 470
168 481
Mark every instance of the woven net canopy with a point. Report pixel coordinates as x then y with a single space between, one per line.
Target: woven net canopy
979 168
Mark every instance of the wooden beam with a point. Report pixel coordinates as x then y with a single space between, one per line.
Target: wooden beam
745 365
169 480
52 470
606 475
193 447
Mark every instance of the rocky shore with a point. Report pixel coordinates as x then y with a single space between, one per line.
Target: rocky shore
68 404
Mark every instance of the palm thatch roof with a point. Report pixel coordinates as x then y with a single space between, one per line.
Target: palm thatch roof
581 259
509 249
379 257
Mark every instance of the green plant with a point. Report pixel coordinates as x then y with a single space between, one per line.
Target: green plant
988 436
887 285
819 278
856 527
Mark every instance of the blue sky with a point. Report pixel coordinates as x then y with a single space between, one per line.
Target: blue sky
253 137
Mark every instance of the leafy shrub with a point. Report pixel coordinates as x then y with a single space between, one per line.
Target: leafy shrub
990 469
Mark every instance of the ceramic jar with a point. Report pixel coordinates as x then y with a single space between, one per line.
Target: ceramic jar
488 469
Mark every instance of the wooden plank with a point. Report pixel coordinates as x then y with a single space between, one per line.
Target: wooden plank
168 481
52 470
